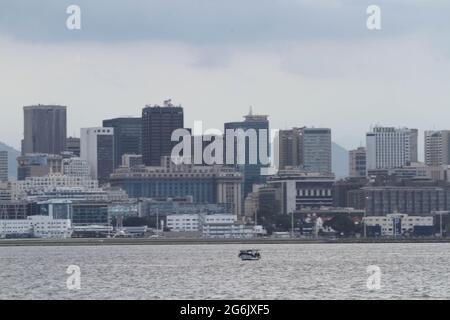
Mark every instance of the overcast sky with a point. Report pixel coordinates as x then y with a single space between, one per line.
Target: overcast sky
302 62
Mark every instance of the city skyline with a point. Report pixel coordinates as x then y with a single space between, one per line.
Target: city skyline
217 70
113 117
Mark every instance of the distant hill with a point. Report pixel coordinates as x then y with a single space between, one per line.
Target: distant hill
12 159
340 161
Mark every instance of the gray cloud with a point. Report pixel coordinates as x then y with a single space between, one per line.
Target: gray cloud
217 21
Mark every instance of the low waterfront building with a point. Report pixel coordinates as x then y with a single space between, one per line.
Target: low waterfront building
50 219
398 224
184 205
183 222
90 213
212 225
17 210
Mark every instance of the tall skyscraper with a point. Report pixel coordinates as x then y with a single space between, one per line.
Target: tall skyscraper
388 147
45 129
357 162
289 148
251 170
158 123
306 148
437 147
316 150
97 147
73 145
127 137
3 166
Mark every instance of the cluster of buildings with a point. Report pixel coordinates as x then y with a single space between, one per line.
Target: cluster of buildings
91 185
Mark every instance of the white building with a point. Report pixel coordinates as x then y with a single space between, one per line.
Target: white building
76 167
97 147
54 222
49 183
437 147
183 222
388 147
397 224
212 225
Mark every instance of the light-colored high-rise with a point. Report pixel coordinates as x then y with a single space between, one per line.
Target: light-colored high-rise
97 147
357 162
389 147
437 147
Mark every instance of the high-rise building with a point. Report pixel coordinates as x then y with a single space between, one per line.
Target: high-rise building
158 124
357 162
437 147
127 137
289 148
97 147
316 150
255 129
388 147
3 166
73 145
45 129
306 148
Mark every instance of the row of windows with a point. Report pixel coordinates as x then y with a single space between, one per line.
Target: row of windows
313 192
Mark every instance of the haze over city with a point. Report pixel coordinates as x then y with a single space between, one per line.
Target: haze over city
218 58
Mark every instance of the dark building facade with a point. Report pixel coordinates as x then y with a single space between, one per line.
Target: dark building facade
127 137
158 123
402 199
90 213
289 148
300 190
341 189
45 129
105 151
308 148
250 171
73 145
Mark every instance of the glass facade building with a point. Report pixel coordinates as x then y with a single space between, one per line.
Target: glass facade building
127 137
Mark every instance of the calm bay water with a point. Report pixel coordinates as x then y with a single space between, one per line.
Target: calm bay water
291 271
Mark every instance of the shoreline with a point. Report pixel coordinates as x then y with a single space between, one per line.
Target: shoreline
180 241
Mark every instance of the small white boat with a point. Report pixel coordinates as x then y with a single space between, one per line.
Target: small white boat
251 254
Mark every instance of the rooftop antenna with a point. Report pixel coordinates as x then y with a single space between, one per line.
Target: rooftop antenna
250 112
168 102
